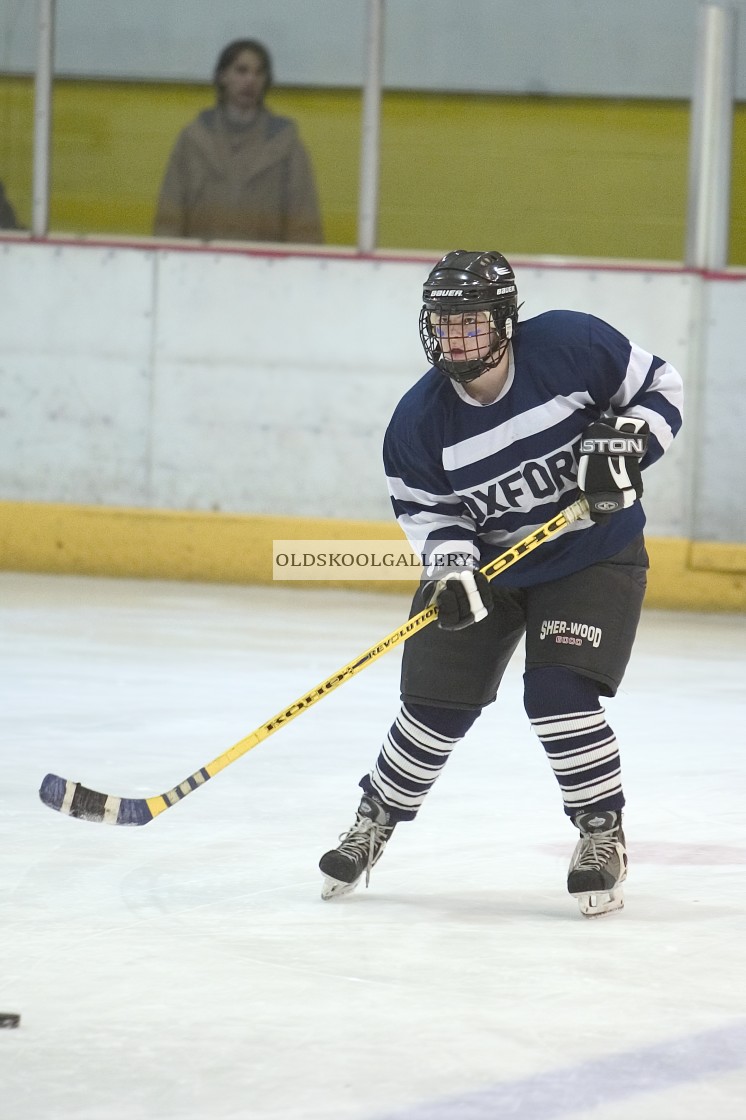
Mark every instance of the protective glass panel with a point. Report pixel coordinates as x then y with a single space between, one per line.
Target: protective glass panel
553 134
568 136
146 141
17 61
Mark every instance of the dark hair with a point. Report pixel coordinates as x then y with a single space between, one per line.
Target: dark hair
228 56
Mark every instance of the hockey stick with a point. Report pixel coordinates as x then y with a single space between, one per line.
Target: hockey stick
77 800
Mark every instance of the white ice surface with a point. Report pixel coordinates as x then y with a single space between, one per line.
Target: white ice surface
189 969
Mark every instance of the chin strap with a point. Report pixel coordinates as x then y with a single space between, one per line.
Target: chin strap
467 376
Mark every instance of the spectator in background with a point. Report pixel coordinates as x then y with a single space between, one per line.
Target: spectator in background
8 218
240 172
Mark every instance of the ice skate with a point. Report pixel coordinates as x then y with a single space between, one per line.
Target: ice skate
599 863
360 850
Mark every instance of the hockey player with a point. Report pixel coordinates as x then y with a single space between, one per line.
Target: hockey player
509 424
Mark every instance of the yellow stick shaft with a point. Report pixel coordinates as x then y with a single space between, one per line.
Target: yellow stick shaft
574 512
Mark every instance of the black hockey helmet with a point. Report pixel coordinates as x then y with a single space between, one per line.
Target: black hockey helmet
460 283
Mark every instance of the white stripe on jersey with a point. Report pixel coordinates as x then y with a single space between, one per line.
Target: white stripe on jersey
666 381
529 423
638 367
399 489
669 386
658 426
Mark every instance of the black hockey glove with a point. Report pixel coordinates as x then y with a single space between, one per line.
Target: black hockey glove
609 469
461 598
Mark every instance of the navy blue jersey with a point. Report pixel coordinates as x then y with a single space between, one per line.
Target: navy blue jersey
463 475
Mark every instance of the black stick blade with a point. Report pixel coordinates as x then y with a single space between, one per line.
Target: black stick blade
76 800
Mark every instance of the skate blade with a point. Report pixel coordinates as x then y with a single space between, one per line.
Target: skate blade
601 903
335 888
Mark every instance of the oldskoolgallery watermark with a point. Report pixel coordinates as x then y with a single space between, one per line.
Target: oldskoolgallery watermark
363 560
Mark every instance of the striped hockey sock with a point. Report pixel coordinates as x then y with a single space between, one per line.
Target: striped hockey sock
566 715
413 754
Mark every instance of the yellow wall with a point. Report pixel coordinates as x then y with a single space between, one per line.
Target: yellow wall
234 548
574 177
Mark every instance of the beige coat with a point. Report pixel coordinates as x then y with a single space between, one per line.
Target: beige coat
252 183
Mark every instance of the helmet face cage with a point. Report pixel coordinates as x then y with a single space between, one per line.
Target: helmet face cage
463 283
